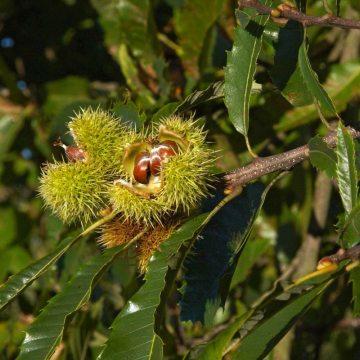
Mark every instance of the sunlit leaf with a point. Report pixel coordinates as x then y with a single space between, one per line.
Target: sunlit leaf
45 334
240 69
146 307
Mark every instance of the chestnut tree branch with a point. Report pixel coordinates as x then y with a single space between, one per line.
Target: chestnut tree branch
291 13
281 162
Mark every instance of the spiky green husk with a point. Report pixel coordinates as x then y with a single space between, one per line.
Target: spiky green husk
73 191
187 178
102 136
136 207
187 128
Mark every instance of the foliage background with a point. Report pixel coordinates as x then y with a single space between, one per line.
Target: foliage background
58 56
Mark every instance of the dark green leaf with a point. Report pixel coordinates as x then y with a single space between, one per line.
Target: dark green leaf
138 316
286 73
240 69
346 169
209 270
19 282
192 23
313 84
332 7
355 279
267 326
242 18
129 114
349 229
45 334
322 157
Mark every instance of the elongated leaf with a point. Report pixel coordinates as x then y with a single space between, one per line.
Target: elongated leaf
313 83
346 169
269 320
240 69
165 111
348 228
138 315
322 157
355 279
209 270
267 327
192 23
242 18
24 278
343 82
332 7
286 73
44 335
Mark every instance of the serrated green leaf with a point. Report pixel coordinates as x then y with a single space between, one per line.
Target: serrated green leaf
355 279
192 23
286 73
129 114
139 314
19 282
349 231
313 83
240 69
267 326
24 278
242 18
346 169
322 157
45 334
332 7
209 270
269 320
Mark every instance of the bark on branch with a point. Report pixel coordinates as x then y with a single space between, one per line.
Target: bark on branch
290 13
281 162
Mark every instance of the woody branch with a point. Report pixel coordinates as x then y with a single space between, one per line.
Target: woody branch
281 162
290 13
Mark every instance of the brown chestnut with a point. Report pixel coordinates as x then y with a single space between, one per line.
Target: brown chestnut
141 170
160 152
72 152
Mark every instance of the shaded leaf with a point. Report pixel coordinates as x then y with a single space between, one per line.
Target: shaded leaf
355 279
346 169
165 111
45 334
129 114
342 83
192 23
240 69
286 73
322 157
209 269
140 312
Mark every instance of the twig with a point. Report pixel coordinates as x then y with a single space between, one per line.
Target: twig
291 13
284 161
